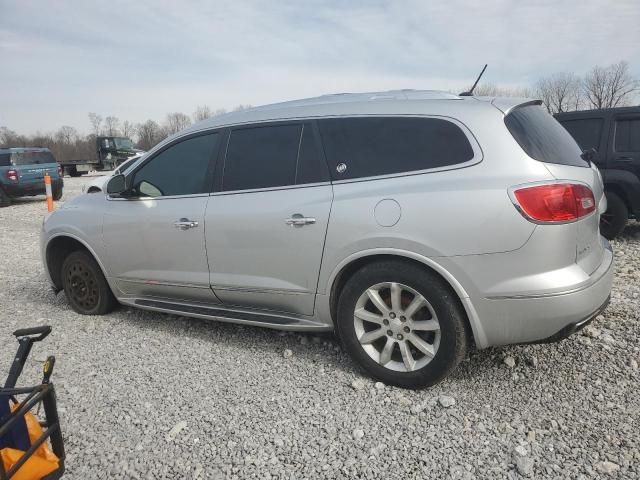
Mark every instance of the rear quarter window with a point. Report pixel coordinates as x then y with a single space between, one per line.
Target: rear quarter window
542 137
5 159
372 146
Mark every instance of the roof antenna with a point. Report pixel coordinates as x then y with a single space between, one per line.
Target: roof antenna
470 92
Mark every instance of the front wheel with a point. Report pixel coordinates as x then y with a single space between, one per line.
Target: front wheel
402 324
85 286
613 221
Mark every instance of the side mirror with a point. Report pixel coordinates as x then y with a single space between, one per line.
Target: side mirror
116 184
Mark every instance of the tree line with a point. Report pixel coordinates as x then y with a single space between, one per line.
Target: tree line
601 87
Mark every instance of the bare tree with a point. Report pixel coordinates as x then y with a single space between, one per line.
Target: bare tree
8 138
492 90
96 122
241 107
128 129
111 125
560 92
219 111
67 135
612 86
202 113
149 133
175 122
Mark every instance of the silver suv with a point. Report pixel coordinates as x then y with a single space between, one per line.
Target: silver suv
414 224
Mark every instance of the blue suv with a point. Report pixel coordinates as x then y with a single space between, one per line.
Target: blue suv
22 173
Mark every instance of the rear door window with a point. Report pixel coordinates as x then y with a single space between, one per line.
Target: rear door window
586 132
627 136
542 137
371 146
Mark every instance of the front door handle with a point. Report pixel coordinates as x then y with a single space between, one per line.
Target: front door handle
185 224
299 220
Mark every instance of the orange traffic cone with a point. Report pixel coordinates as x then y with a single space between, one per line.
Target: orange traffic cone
47 186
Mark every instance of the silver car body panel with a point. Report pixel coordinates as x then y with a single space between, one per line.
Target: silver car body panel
517 281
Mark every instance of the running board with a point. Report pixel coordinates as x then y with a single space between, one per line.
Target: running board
278 321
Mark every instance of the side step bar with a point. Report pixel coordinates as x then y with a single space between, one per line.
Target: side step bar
278 321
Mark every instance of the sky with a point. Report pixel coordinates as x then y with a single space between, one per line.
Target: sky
140 60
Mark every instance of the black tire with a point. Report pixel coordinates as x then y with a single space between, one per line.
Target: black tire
5 200
73 171
85 286
613 221
454 336
56 193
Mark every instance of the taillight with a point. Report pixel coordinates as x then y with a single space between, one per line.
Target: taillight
12 175
556 202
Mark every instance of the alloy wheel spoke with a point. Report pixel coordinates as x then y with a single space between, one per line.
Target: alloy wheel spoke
407 358
396 297
385 354
368 316
421 345
374 296
372 336
415 305
425 325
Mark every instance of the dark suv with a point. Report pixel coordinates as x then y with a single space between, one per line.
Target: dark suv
22 172
614 133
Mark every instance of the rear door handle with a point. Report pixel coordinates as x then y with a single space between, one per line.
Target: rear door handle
299 220
185 224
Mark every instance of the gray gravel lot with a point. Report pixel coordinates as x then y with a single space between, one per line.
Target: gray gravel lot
148 395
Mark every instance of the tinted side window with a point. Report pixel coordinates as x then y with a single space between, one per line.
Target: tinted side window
179 170
542 137
586 132
627 136
261 157
311 166
385 145
5 159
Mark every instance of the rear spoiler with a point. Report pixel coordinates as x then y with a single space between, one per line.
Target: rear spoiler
506 105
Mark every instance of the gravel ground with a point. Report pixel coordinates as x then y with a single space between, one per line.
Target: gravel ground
148 395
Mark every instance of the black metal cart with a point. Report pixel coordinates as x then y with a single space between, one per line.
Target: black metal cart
16 404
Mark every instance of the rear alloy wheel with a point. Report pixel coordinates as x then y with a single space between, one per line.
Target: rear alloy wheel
85 286
401 333
402 324
613 221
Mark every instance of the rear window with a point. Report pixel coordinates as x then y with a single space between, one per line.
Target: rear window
586 132
5 159
542 137
31 158
370 146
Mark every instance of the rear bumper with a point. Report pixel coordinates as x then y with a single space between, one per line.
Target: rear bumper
572 328
545 317
35 188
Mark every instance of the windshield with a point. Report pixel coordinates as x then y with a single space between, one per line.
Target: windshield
124 144
32 158
542 137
